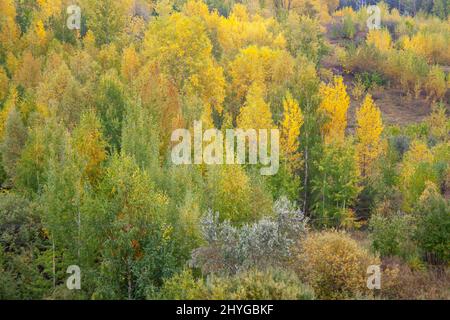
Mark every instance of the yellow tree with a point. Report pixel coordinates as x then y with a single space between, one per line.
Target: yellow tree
89 145
4 84
334 106
181 49
380 39
368 134
130 64
255 114
290 132
49 8
9 32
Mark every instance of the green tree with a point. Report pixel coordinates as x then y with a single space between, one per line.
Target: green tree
14 140
335 186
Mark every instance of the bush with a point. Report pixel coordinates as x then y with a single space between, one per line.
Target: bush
392 235
273 284
433 226
436 84
399 281
265 243
334 265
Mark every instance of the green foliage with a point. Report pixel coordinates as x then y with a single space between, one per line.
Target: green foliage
86 177
13 142
335 186
272 284
140 137
393 235
111 103
433 226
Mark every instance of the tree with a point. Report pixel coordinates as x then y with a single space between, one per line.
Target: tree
130 64
60 90
379 39
90 146
438 123
433 225
107 19
9 31
416 169
28 73
45 140
368 134
255 114
111 102
136 253
180 46
140 137
334 106
4 84
235 194
290 132
13 142
336 185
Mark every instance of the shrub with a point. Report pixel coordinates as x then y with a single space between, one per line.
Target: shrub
433 226
359 90
182 286
399 281
273 284
267 285
348 27
263 243
392 235
334 265
436 84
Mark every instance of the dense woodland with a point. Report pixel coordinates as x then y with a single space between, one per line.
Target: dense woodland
86 118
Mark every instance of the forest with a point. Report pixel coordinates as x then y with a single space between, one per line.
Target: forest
92 205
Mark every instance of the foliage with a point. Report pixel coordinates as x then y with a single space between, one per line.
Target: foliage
272 284
334 264
264 243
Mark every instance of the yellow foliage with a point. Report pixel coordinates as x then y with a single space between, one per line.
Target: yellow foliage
439 123
380 39
130 63
179 45
9 31
49 8
290 131
335 265
258 64
334 106
29 72
433 46
8 106
12 63
255 114
368 134
90 146
4 84
40 32
436 86
418 152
